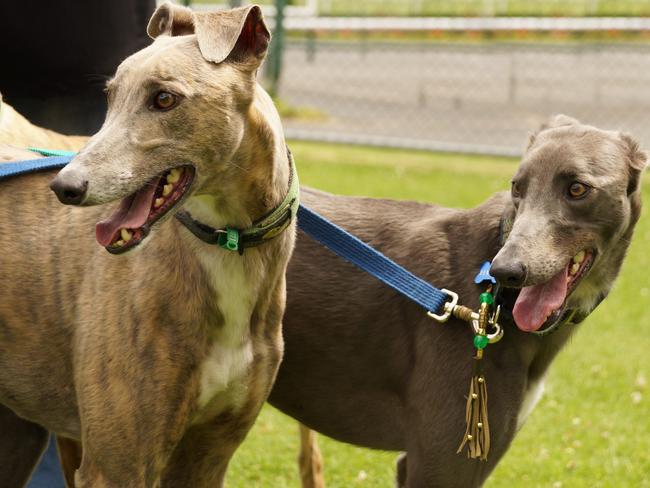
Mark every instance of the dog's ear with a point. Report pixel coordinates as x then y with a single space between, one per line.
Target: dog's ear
554 122
637 160
171 20
559 120
239 34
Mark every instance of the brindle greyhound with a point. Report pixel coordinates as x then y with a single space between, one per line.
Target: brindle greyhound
366 366
20 132
159 359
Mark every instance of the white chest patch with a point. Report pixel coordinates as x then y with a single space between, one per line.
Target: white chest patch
224 367
224 371
532 396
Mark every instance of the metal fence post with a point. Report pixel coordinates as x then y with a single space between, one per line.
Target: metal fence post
277 47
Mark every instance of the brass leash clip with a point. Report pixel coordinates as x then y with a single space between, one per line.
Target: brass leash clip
468 315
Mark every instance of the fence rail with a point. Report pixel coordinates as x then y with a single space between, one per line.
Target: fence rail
584 24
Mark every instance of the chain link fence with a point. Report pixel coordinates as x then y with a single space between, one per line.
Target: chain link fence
481 98
468 84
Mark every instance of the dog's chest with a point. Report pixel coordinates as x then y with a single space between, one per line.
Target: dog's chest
230 354
532 396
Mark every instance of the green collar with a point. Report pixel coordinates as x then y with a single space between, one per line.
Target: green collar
262 230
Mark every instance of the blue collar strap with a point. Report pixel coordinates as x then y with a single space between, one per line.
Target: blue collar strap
439 304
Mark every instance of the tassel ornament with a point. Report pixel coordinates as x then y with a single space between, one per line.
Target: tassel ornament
477 432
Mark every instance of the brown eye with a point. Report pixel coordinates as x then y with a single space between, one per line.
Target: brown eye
164 100
578 190
515 190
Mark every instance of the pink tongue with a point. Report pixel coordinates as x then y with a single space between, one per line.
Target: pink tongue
535 303
131 214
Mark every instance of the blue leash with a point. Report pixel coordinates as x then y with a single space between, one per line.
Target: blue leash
16 168
352 249
338 240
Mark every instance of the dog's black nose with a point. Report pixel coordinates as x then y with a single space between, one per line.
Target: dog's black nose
68 190
510 273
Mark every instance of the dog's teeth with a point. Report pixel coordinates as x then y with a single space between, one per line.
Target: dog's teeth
158 202
174 175
119 243
167 189
126 235
575 268
580 257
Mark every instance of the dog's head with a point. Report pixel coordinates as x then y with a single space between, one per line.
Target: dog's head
177 111
576 198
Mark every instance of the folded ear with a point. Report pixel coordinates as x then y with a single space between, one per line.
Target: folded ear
240 34
559 120
554 122
637 160
171 20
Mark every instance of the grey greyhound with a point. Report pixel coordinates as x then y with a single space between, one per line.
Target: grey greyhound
366 366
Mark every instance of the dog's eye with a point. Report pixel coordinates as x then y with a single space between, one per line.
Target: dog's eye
515 190
578 190
164 100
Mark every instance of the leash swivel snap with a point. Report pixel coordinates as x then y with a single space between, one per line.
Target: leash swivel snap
493 322
468 315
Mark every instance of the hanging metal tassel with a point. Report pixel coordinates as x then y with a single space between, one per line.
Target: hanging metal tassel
477 432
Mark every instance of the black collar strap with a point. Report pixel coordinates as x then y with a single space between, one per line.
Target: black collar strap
264 229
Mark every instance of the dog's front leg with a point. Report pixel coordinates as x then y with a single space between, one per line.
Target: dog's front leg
137 382
21 446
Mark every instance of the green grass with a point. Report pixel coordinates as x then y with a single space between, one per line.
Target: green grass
486 7
586 432
561 8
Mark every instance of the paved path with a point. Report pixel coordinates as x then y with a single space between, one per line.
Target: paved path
476 96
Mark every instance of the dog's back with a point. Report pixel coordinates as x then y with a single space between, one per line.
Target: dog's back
38 300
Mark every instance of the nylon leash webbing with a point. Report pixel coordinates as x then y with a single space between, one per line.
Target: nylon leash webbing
16 168
357 252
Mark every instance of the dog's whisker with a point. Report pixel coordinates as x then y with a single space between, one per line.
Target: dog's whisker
245 170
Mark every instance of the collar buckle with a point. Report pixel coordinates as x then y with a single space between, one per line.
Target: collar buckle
228 239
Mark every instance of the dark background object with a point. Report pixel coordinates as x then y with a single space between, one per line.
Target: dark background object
57 56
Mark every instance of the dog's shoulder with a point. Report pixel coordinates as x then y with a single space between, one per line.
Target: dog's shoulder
13 153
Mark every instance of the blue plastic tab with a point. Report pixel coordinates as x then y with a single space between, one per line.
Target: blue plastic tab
484 275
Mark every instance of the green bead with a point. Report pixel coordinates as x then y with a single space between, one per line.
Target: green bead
486 298
480 341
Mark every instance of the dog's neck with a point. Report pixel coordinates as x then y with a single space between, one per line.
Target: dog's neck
257 177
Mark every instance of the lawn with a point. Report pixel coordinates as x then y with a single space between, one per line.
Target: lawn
561 8
592 429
